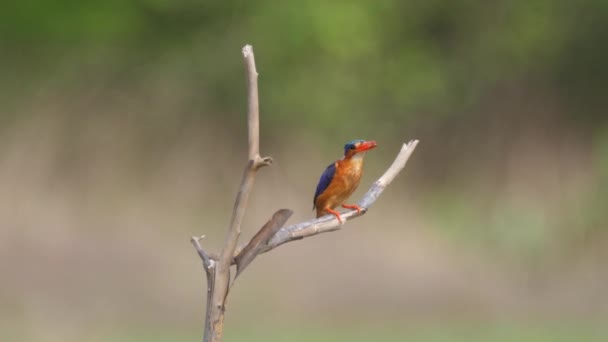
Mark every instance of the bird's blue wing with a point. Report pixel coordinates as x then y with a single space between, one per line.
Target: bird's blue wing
324 181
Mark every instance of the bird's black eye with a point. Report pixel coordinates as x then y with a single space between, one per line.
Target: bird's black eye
352 147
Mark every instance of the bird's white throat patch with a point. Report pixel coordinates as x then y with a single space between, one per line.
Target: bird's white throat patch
359 156
356 162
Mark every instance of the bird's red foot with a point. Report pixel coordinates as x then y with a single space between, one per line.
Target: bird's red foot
352 206
335 213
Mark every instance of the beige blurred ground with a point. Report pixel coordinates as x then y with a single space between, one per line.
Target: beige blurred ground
94 232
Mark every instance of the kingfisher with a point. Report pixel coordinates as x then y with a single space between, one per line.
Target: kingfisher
341 179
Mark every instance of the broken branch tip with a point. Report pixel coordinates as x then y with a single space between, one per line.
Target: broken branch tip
247 50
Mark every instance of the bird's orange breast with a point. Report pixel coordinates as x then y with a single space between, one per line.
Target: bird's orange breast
343 184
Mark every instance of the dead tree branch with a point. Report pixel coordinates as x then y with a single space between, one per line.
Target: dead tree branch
329 223
273 233
208 263
218 273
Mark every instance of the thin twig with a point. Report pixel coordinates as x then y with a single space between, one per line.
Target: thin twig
207 261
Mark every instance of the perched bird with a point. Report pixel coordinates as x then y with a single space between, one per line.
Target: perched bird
341 179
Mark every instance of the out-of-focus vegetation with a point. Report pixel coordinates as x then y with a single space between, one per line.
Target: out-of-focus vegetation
469 78
122 126
391 61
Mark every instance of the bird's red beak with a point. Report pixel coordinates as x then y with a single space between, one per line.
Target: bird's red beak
367 145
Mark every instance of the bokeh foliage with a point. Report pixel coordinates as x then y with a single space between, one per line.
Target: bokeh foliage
433 69
394 59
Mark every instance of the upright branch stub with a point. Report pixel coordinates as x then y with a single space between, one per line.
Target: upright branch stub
207 261
253 110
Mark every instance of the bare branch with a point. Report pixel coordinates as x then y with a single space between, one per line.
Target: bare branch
253 110
272 234
253 106
254 163
209 265
207 261
215 311
329 223
260 239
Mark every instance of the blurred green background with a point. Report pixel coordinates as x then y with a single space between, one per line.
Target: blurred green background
123 133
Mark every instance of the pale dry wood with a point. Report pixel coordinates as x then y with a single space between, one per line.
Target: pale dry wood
272 235
209 266
260 240
329 223
208 262
218 290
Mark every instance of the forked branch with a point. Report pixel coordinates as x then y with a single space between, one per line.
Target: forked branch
218 273
273 233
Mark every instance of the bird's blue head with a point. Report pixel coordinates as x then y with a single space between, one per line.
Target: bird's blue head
355 146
